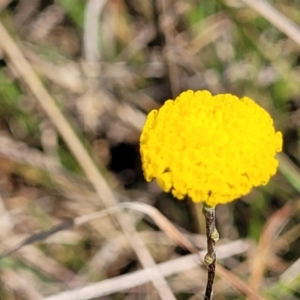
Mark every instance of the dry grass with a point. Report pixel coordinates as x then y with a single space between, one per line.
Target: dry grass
76 81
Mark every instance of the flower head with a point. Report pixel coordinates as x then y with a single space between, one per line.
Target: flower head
212 148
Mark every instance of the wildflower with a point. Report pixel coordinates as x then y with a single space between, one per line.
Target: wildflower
213 149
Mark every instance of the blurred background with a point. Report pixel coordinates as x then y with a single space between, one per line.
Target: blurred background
106 64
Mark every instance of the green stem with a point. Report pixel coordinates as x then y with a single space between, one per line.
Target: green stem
210 257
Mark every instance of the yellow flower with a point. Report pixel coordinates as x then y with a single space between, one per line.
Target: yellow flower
212 148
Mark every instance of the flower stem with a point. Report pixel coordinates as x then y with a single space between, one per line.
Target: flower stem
210 257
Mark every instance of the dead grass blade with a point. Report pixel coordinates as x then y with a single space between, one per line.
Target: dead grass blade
28 76
290 274
276 18
91 34
237 283
270 231
124 282
46 265
173 233
210 30
20 152
179 238
167 27
18 285
66 75
163 223
291 235
63 226
38 237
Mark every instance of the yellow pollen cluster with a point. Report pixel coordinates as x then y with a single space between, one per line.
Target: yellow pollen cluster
212 148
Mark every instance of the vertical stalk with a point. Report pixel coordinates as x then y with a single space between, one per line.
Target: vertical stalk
210 257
